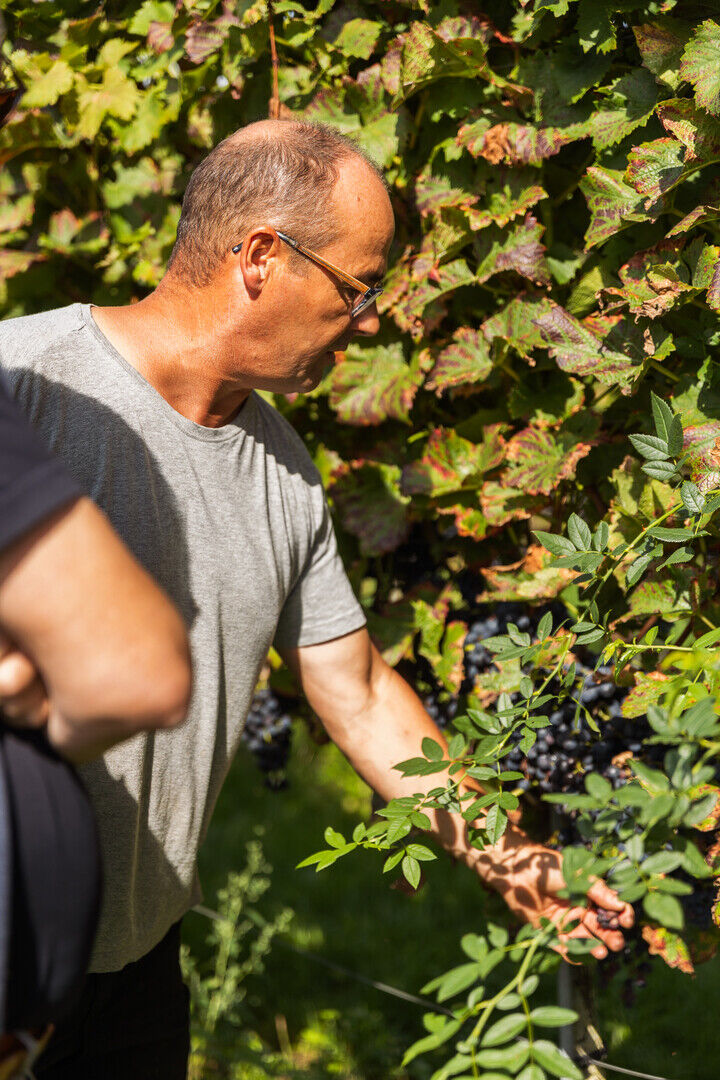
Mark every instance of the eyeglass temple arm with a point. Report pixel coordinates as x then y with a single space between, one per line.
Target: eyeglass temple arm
302 250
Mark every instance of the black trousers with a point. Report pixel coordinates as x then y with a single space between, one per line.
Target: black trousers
132 1024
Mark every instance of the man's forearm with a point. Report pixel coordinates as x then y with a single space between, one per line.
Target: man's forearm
390 729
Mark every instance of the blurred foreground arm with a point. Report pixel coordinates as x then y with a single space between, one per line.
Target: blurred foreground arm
377 720
110 647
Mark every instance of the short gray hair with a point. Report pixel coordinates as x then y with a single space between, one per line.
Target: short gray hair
282 175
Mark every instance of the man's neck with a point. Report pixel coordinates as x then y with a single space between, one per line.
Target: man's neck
167 344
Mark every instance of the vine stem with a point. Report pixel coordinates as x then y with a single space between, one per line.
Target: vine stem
274 106
517 980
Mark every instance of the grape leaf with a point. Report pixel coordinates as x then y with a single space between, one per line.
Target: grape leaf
697 131
371 507
654 168
613 204
517 144
539 460
661 44
372 385
518 250
701 65
450 463
466 360
629 103
576 349
508 194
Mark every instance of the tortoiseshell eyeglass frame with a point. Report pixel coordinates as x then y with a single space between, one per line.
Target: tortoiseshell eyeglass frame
368 293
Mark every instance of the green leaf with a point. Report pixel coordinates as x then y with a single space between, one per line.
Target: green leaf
411 871
659 470
675 536
49 87
552 1016
420 852
664 909
334 839
458 980
662 862
654 780
556 545
504 1030
495 824
663 417
701 66
650 446
432 1041
555 1060
358 37
579 533
432 750
151 11
392 861
636 569
629 103
693 499
532 1072
511 1058
597 786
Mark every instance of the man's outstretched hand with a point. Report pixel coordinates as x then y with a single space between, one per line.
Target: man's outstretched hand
529 877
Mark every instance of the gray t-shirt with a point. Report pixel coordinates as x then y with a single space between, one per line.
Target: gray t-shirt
233 523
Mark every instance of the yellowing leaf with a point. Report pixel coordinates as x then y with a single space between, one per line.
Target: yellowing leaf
47 88
117 95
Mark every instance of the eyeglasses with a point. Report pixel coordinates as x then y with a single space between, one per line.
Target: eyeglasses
368 293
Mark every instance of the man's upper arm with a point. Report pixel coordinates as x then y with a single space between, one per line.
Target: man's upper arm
33 484
337 677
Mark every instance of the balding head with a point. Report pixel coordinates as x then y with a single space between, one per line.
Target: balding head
274 172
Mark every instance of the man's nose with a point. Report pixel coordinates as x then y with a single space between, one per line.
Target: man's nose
367 323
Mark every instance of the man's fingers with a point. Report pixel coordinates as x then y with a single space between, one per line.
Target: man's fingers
605 897
17 673
588 926
30 708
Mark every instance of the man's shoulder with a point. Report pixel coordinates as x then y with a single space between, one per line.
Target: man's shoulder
284 442
28 338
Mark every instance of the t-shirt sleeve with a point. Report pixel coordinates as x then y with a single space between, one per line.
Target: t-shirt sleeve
33 484
322 605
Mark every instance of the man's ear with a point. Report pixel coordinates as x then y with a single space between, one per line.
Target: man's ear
256 257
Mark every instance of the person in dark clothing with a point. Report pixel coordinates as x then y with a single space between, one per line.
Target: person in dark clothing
65 643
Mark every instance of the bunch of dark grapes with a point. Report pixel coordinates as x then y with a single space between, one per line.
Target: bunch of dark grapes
267 734
569 748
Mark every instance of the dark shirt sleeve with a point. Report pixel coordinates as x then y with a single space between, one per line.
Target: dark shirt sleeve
33 484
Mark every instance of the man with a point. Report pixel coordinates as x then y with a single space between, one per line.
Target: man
152 407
